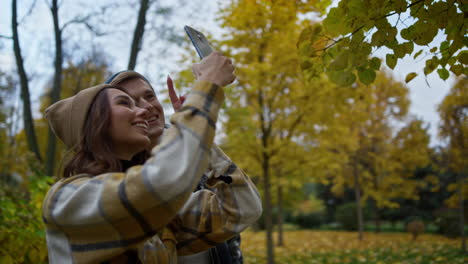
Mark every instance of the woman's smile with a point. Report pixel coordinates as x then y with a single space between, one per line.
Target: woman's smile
129 128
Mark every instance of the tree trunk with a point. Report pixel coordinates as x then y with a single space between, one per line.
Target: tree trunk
27 115
461 181
56 88
280 216
461 212
357 193
138 34
267 209
377 221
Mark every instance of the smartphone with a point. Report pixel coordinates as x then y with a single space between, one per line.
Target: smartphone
199 41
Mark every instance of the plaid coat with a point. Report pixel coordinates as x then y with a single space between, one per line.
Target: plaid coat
149 214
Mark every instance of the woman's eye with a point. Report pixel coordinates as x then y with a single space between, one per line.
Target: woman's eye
124 103
150 97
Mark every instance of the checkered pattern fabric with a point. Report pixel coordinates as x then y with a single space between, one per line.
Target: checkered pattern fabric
150 211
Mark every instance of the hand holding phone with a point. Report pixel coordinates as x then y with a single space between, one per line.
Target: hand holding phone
216 69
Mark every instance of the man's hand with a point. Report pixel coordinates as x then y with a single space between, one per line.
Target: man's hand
176 101
215 68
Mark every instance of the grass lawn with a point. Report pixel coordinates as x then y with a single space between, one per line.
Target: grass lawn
308 246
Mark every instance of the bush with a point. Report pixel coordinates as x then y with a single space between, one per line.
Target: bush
22 232
346 215
311 220
415 227
448 224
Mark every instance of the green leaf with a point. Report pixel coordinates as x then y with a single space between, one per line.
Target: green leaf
367 76
334 23
424 32
360 55
417 54
317 29
305 49
305 35
451 60
409 47
444 46
340 63
375 63
456 69
343 78
463 57
434 49
400 6
378 38
391 60
399 51
410 77
407 33
431 65
443 74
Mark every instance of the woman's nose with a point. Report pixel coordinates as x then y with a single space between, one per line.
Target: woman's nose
142 111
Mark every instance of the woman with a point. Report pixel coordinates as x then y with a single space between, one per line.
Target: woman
148 214
140 89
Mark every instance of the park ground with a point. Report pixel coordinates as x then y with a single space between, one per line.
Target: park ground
310 246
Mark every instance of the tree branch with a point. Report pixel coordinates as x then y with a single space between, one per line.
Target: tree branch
29 12
339 40
48 4
5 37
359 28
76 20
84 21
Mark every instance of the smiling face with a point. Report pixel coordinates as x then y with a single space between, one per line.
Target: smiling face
129 129
145 97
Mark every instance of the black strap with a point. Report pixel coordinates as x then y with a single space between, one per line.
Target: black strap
221 254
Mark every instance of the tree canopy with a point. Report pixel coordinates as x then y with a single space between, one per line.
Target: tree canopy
344 44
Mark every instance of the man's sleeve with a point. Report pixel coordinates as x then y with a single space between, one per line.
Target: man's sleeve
210 216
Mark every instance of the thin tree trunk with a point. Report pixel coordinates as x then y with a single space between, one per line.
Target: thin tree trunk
27 115
55 93
377 211
461 212
138 34
461 181
266 129
357 193
377 220
267 209
280 216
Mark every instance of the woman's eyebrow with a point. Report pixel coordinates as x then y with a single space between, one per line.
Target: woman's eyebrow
150 91
123 97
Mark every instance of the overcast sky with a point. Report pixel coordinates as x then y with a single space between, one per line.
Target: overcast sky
37 44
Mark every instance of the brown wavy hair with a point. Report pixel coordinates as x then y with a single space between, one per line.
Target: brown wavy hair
94 153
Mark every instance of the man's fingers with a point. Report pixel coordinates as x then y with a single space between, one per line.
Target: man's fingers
182 99
172 94
170 88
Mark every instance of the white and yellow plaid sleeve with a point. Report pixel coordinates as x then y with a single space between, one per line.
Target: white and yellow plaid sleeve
210 216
